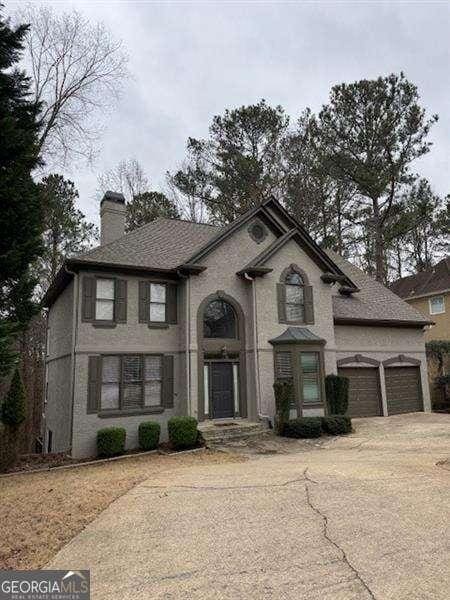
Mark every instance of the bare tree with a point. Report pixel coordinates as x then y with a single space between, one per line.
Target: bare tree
77 70
188 192
127 177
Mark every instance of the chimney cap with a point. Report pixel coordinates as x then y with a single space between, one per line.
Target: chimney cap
113 197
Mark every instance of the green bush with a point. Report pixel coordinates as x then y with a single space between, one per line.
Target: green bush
303 427
149 435
111 441
284 394
336 389
336 424
182 432
13 408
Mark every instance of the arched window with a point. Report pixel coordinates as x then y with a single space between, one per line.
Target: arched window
219 320
295 299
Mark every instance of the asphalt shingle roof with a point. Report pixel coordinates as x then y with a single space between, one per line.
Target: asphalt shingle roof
373 302
168 243
161 244
432 280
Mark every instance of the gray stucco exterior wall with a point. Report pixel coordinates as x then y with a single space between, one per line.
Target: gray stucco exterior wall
59 372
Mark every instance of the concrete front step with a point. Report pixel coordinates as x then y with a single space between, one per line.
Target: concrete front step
216 433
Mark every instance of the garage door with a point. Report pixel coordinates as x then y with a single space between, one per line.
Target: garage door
364 398
403 390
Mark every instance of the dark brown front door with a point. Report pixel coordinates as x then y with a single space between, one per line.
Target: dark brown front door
222 398
364 397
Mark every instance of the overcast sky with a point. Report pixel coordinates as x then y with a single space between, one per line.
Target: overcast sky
191 60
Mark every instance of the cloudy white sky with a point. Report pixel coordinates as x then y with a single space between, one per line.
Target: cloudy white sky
191 60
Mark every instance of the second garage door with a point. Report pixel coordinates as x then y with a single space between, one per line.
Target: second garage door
364 399
403 390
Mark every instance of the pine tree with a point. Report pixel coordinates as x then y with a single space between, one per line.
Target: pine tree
13 408
147 207
66 231
20 208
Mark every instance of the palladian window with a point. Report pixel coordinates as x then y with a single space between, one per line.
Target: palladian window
219 320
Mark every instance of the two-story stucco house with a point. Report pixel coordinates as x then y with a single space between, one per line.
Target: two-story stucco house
190 319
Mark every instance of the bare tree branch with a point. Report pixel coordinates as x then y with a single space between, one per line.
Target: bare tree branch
77 71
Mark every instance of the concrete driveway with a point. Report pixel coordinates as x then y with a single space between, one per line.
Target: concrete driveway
365 516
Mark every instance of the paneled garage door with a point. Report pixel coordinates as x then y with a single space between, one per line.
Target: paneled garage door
364 399
403 390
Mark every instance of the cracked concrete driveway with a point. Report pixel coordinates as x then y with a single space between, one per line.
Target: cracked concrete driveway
365 516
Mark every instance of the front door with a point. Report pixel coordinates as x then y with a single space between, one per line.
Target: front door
222 397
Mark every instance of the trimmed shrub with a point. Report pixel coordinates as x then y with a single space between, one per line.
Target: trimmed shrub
336 424
182 432
303 427
149 435
111 441
336 389
284 393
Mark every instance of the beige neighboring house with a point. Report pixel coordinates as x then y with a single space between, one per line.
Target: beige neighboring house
429 293
182 318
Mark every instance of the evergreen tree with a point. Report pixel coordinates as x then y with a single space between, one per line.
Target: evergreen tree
20 214
239 165
13 408
66 231
147 207
369 133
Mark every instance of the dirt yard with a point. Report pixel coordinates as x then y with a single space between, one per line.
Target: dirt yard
40 512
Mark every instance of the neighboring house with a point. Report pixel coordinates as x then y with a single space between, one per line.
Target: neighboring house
190 319
429 293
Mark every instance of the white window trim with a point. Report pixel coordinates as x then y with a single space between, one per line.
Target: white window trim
430 304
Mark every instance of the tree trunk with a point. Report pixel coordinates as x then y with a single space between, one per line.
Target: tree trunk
378 240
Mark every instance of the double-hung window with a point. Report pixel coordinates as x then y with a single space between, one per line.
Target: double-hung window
157 303
437 305
104 300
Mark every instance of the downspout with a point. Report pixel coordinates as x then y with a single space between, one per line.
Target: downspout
76 281
188 345
44 391
255 346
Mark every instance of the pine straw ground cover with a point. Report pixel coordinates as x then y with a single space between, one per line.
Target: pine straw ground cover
40 512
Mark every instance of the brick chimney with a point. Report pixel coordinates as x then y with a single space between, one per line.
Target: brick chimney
112 217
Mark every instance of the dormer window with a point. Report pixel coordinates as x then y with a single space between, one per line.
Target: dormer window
295 297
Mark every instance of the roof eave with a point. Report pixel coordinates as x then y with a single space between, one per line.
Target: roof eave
254 271
381 322
425 294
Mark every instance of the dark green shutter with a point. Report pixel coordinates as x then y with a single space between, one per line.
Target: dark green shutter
281 300
171 299
309 305
167 381
94 383
144 302
120 313
88 299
